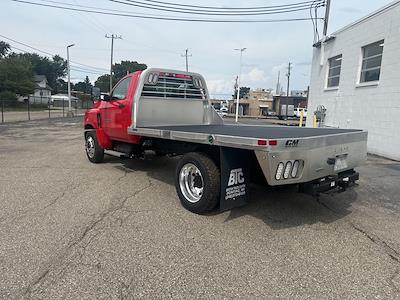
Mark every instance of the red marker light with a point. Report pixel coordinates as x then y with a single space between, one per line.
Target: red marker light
183 76
262 143
273 142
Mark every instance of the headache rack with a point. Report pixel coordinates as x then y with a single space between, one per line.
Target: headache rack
173 87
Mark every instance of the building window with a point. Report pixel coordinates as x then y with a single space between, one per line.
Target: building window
335 66
371 63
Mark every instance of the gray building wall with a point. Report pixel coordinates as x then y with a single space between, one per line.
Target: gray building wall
371 106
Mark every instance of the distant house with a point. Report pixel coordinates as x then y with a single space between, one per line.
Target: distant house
42 93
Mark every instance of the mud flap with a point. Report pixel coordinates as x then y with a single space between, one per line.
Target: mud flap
235 178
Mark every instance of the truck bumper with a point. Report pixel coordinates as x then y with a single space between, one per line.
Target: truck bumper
338 182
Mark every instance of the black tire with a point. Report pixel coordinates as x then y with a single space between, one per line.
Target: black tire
97 155
210 182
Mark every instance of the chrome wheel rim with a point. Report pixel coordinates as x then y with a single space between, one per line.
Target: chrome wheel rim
90 146
191 182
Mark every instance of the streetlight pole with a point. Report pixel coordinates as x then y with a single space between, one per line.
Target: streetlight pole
238 83
69 113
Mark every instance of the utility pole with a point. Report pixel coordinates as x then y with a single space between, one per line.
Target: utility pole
186 55
69 113
288 78
238 83
326 19
325 32
288 87
112 37
278 84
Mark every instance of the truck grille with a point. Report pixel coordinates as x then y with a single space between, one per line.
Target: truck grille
172 87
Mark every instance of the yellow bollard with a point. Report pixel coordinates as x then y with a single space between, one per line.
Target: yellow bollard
315 121
301 118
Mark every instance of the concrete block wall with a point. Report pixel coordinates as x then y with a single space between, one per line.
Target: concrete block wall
374 107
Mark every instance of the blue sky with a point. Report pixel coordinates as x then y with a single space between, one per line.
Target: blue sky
270 46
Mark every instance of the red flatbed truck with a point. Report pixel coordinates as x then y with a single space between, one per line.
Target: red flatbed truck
169 112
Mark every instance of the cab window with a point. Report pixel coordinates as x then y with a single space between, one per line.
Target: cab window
121 90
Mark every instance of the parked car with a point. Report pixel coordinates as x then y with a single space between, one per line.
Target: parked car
298 110
222 113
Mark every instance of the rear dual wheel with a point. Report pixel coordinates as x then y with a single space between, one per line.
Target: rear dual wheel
197 182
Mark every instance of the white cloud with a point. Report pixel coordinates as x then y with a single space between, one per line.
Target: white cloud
255 75
220 88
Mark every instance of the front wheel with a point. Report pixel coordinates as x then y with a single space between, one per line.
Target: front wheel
94 151
197 182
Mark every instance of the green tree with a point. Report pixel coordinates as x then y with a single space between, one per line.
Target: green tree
243 92
88 85
126 66
83 86
53 69
61 86
4 48
103 82
16 76
119 71
80 86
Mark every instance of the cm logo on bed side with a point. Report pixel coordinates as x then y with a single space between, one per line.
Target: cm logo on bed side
236 177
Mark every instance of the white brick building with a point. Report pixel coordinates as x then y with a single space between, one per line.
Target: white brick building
356 76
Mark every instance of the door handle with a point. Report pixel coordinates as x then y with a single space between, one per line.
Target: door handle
121 105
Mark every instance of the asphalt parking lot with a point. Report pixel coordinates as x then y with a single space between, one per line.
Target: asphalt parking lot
74 230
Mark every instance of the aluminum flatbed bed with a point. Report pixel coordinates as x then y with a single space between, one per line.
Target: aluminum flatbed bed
256 131
253 137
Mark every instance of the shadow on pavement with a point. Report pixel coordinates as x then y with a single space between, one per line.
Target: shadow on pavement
279 208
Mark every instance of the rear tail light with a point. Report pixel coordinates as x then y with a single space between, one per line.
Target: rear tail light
288 168
279 171
273 142
262 143
295 168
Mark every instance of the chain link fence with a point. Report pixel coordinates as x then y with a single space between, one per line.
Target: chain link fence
16 111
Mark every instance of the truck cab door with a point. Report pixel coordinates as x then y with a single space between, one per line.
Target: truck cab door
117 111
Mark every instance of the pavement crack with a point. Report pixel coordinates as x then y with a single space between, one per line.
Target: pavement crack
390 251
122 177
55 200
61 259
29 288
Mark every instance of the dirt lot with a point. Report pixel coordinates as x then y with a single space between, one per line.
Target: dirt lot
71 229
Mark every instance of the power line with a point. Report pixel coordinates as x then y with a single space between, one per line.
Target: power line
74 68
47 53
214 13
225 8
167 18
85 71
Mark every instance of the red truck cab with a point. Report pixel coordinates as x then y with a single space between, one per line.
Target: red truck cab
112 117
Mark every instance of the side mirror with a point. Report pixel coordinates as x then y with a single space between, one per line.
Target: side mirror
106 98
